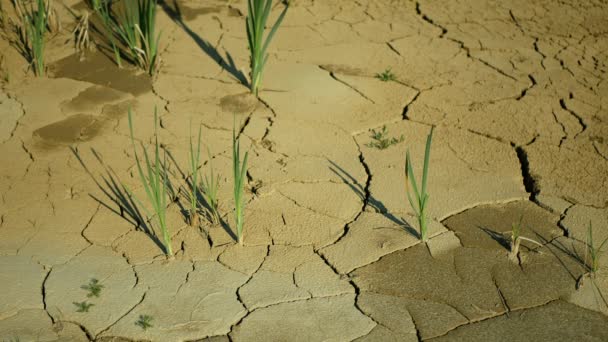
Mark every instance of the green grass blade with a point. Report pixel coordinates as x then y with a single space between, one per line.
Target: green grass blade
427 156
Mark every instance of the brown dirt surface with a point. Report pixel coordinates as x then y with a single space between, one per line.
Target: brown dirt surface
516 91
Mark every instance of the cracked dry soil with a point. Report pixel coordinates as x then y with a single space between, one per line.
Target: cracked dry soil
518 94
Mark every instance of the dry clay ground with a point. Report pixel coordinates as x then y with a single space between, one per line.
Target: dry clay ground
519 98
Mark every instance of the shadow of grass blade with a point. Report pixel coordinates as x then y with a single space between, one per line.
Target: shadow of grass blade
155 183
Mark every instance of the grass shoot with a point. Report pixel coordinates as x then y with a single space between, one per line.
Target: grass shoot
195 154
386 76
381 141
144 322
258 12
154 181
239 173
83 306
515 240
210 185
419 205
93 288
594 251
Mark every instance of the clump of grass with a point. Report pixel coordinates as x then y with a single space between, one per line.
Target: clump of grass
154 181
93 287
594 251
386 76
131 31
420 203
32 30
195 154
258 12
239 173
210 185
381 141
144 322
516 238
83 306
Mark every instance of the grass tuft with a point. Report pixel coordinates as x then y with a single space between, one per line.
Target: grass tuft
239 173
83 306
516 238
144 322
31 29
421 197
381 141
93 287
386 76
154 181
258 12
594 251
131 31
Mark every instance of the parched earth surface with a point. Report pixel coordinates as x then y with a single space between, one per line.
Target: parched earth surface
517 94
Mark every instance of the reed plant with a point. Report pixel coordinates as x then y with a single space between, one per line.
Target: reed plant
31 29
239 175
258 12
420 198
195 153
154 181
593 251
131 31
210 185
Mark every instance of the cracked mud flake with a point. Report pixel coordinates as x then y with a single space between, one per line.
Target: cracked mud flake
244 259
63 247
311 93
392 315
10 113
489 226
463 287
191 304
36 325
569 172
275 218
330 199
465 170
119 294
372 236
316 319
577 220
21 279
289 274
556 321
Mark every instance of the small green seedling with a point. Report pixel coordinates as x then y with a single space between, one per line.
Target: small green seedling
144 322
83 306
257 17
381 141
516 239
239 173
594 251
154 181
386 75
210 185
93 287
195 154
421 197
